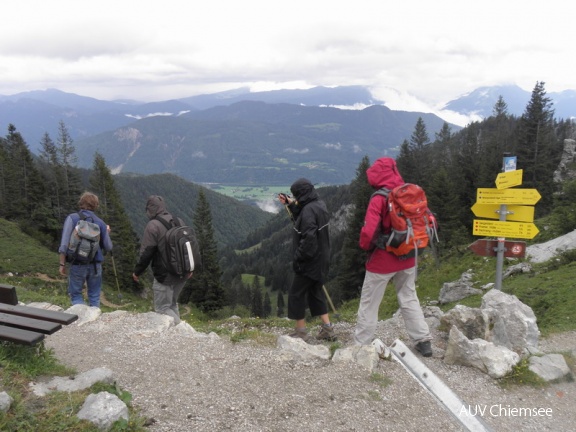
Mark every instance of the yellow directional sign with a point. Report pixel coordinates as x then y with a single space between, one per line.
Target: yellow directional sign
513 212
509 179
507 196
504 229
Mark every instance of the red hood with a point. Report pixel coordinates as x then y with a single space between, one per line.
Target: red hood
384 173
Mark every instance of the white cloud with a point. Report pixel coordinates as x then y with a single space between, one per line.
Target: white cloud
296 151
336 146
430 52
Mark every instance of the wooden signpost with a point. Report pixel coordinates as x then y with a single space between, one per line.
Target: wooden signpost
514 213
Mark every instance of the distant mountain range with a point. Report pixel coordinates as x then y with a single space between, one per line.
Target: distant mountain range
254 143
238 137
481 101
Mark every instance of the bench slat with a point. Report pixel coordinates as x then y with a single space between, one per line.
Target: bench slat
20 336
37 313
40 326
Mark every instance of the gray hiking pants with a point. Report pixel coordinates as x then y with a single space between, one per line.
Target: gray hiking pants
166 298
372 293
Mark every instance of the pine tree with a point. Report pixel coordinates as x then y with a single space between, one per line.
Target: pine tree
267 306
280 304
539 150
53 172
257 308
443 201
4 161
71 186
205 287
120 265
24 194
406 161
244 295
351 275
419 141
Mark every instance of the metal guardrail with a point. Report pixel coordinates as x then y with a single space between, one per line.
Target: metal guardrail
436 387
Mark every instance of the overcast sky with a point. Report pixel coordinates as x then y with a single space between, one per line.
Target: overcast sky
407 51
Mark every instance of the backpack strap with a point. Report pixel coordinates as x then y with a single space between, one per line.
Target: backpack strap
85 217
380 239
382 191
173 222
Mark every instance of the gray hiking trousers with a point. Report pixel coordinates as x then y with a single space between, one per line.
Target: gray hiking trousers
372 293
166 298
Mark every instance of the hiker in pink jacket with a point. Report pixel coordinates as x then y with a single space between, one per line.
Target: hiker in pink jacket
383 266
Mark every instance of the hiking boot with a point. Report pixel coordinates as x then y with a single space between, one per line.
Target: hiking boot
301 333
424 348
327 333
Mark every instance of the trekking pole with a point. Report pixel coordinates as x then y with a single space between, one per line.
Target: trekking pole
336 314
115 274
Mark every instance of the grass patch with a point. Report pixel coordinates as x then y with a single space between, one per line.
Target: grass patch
55 411
381 380
23 255
255 335
374 395
549 291
521 375
333 347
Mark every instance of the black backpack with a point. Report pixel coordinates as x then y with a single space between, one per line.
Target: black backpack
84 241
181 254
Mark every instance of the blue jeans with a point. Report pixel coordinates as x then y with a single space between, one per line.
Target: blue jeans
92 275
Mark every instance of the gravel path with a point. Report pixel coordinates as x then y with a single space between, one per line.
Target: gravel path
191 383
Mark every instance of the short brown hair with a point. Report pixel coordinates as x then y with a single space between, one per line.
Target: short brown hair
88 201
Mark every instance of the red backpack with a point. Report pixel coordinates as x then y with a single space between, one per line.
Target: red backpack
413 226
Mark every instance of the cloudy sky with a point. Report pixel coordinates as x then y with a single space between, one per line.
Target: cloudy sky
411 53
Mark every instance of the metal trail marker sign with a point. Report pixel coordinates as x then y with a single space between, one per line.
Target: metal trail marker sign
513 212
507 196
509 179
504 203
489 247
504 229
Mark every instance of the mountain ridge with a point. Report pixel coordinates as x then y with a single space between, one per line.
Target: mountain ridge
256 143
37 112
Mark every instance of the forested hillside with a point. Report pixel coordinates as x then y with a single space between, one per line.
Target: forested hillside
232 219
37 193
450 167
253 143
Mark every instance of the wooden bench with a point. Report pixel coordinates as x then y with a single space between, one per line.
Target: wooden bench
27 325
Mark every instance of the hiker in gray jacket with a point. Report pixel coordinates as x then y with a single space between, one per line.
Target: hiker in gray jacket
166 286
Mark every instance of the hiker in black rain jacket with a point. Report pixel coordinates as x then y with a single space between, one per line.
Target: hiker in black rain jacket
311 258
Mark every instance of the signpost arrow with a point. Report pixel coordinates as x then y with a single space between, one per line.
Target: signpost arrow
513 212
489 247
507 196
509 179
490 228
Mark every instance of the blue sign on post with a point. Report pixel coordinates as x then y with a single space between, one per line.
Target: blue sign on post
509 163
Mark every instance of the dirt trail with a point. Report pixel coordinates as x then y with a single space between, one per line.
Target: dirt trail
204 383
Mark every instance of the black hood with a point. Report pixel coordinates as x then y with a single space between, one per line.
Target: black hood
303 191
